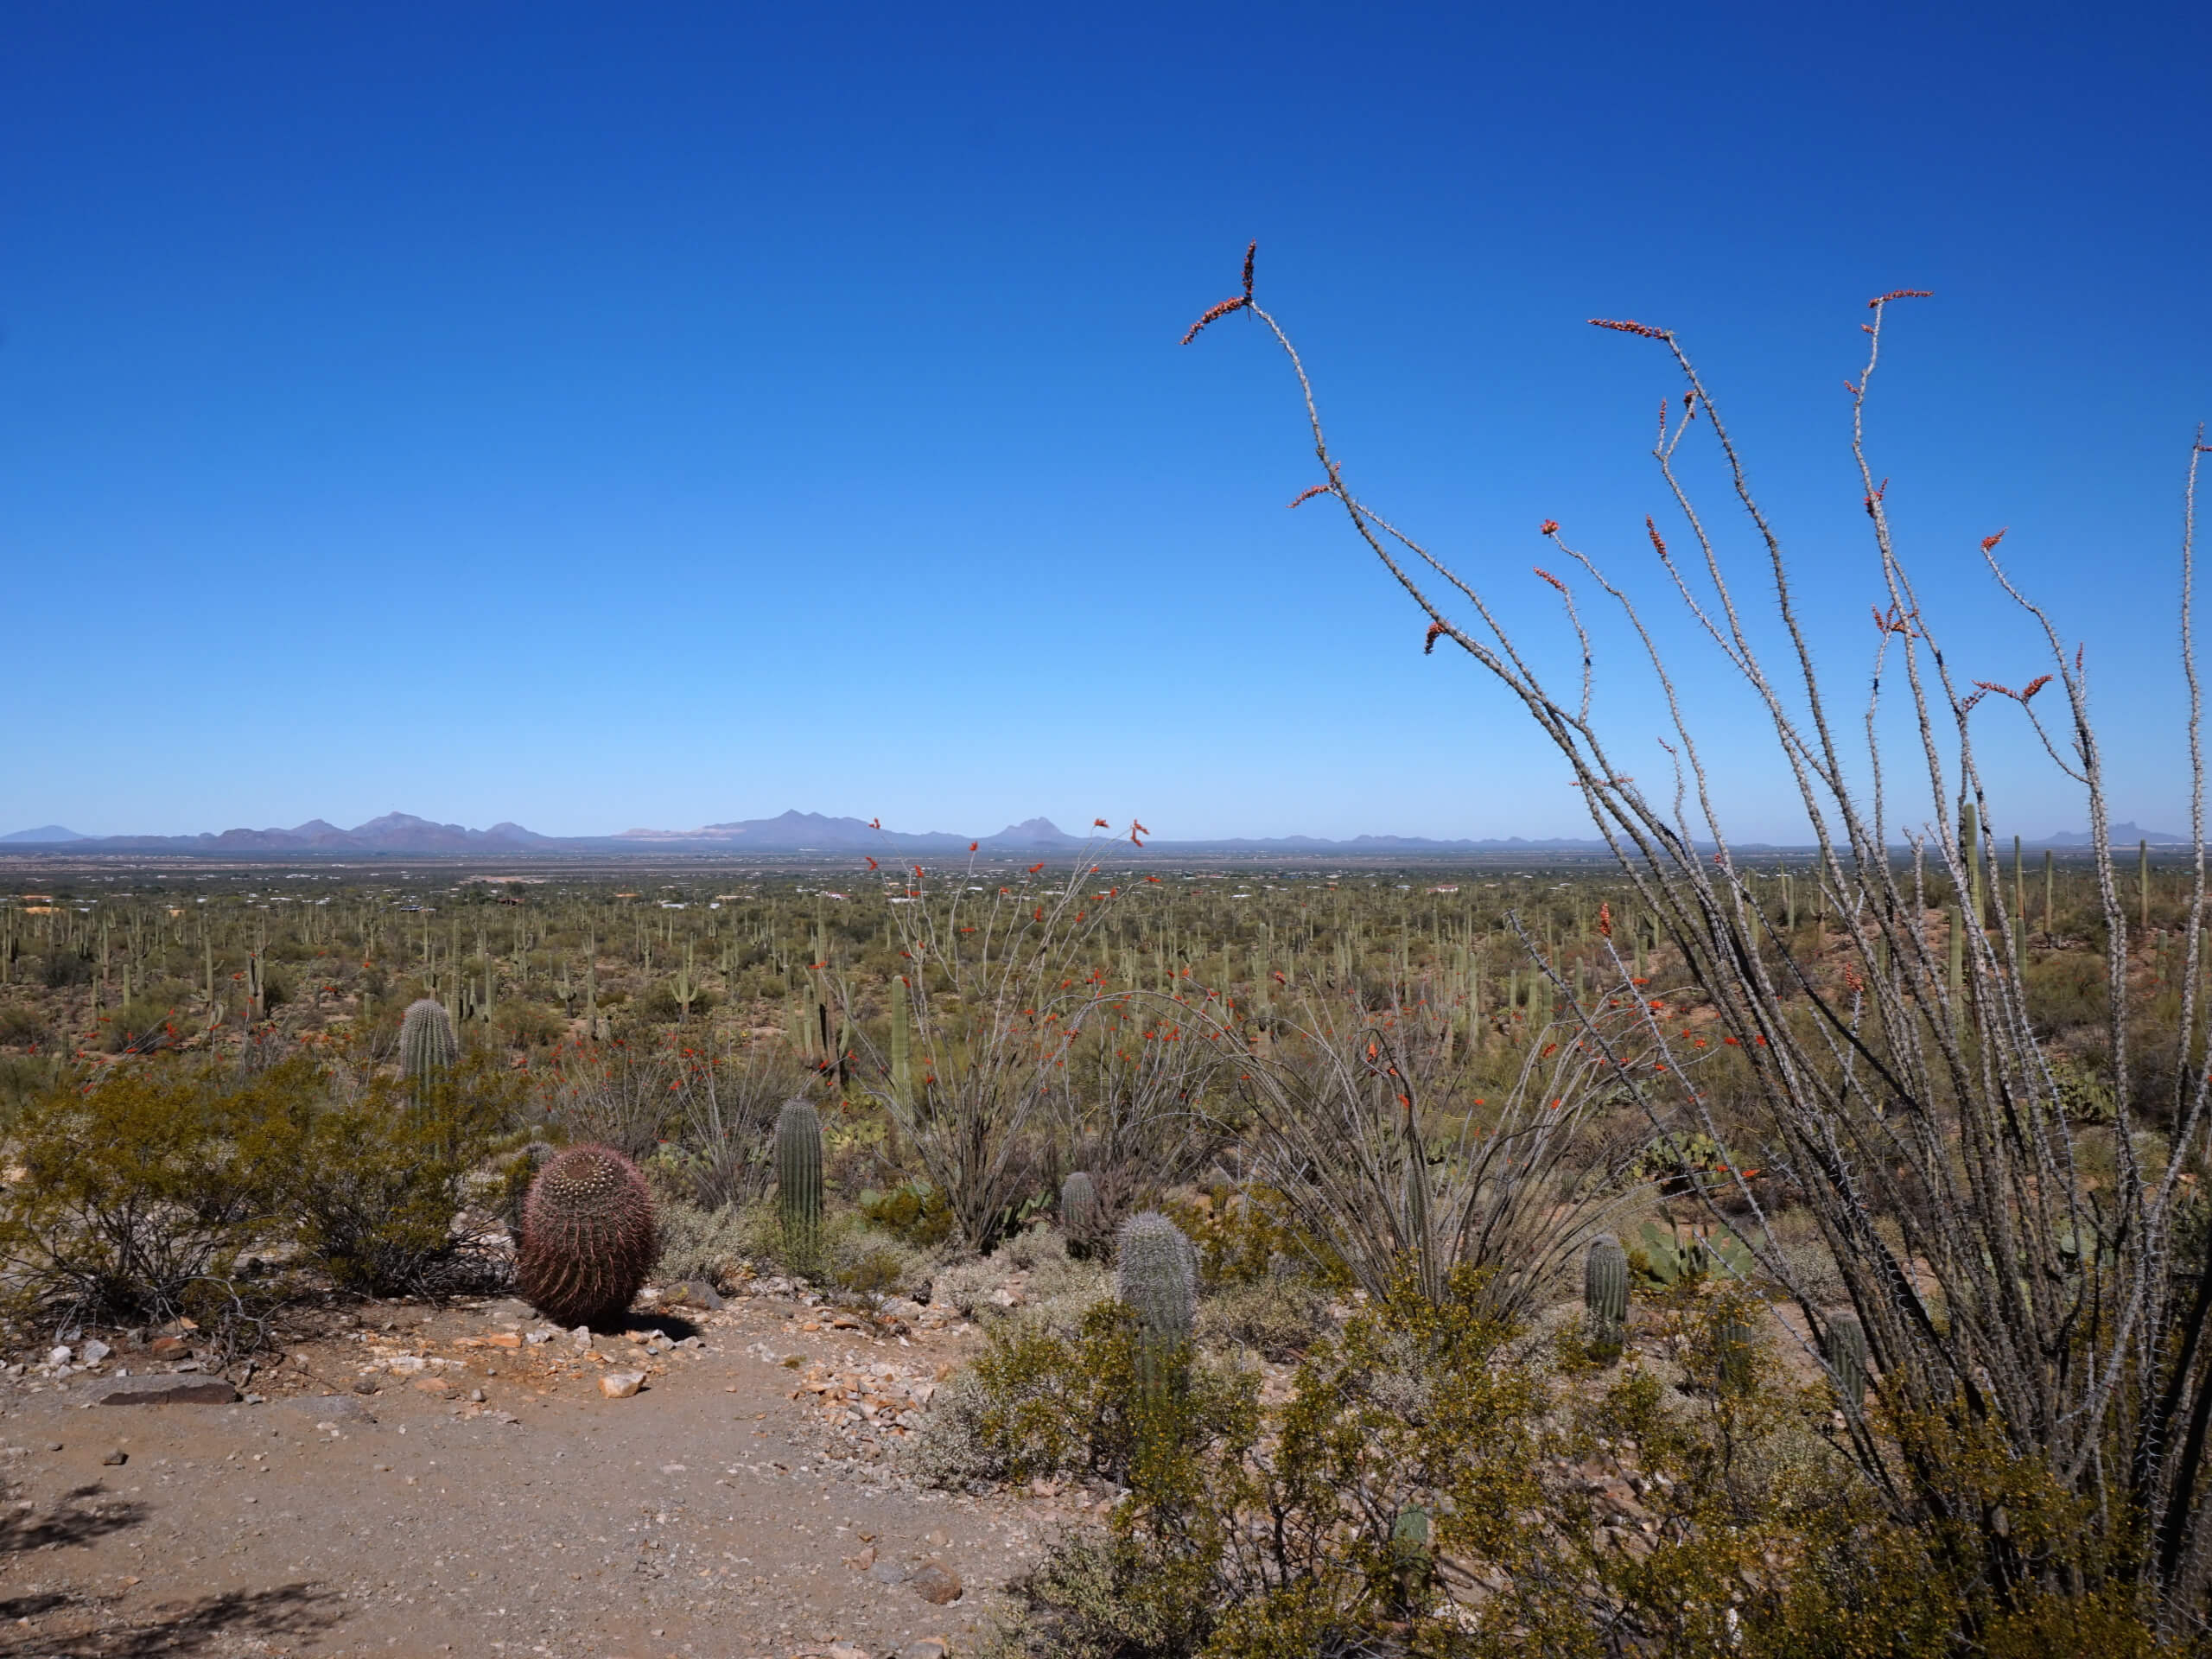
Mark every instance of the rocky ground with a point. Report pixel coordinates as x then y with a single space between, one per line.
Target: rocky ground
714 1481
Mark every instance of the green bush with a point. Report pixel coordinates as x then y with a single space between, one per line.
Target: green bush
142 1191
373 1183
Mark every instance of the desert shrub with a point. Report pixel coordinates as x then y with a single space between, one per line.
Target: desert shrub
1035 1404
915 1213
138 1027
21 1026
716 1245
527 1024
1433 1486
141 1192
373 1181
1277 1316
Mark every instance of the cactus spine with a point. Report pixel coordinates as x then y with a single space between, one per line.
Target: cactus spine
798 1182
427 1045
1079 1212
1844 1348
1605 1296
589 1237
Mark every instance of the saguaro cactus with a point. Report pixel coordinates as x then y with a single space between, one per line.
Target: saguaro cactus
427 1045
1156 1276
1605 1296
902 1072
1844 1348
798 1181
1079 1212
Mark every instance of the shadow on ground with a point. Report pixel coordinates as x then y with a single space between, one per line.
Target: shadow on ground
296 1611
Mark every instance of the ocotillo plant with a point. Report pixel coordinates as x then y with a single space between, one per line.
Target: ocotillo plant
1605 1296
427 1043
1156 1277
798 1182
589 1237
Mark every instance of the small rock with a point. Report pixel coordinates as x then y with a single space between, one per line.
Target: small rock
504 1339
862 1562
53 1445
936 1583
169 1347
93 1352
365 1385
930 1647
59 1356
115 1459
476 1394
620 1385
843 1650
182 1389
899 1308
695 1293
331 1409
887 1572
436 1385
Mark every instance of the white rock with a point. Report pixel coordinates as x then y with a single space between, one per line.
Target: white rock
620 1385
59 1357
94 1351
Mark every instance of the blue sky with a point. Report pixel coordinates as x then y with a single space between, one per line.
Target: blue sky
597 419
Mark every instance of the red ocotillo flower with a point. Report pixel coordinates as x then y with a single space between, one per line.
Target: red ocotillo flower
1216 314
1098 823
1038 866
1990 541
1632 327
1881 300
870 862
1304 496
1547 576
1428 640
1549 527
1606 920
1251 252
1657 541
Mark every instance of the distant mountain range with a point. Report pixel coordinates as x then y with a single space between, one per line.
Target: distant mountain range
400 833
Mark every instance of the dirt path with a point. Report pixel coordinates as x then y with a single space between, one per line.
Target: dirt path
709 1514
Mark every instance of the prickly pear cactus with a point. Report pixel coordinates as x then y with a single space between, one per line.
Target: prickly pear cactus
427 1043
589 1237
1605 1296
798 1182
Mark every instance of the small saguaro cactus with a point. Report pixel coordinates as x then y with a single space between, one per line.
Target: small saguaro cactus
427 1043
1605 1296
798 1181
1844 1348
1413 1560
902 1071
1156 1277
1079 1212
1735 1348
589 1237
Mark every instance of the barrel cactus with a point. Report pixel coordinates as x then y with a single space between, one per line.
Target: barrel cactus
1079 1212
1605 1296
798 1181
427 1045
589 1237
1844 1348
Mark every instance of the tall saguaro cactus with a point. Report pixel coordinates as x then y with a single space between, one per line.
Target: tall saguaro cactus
798 1182
1605 1296
427 1043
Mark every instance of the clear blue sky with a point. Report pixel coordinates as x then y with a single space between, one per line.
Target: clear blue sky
597 417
